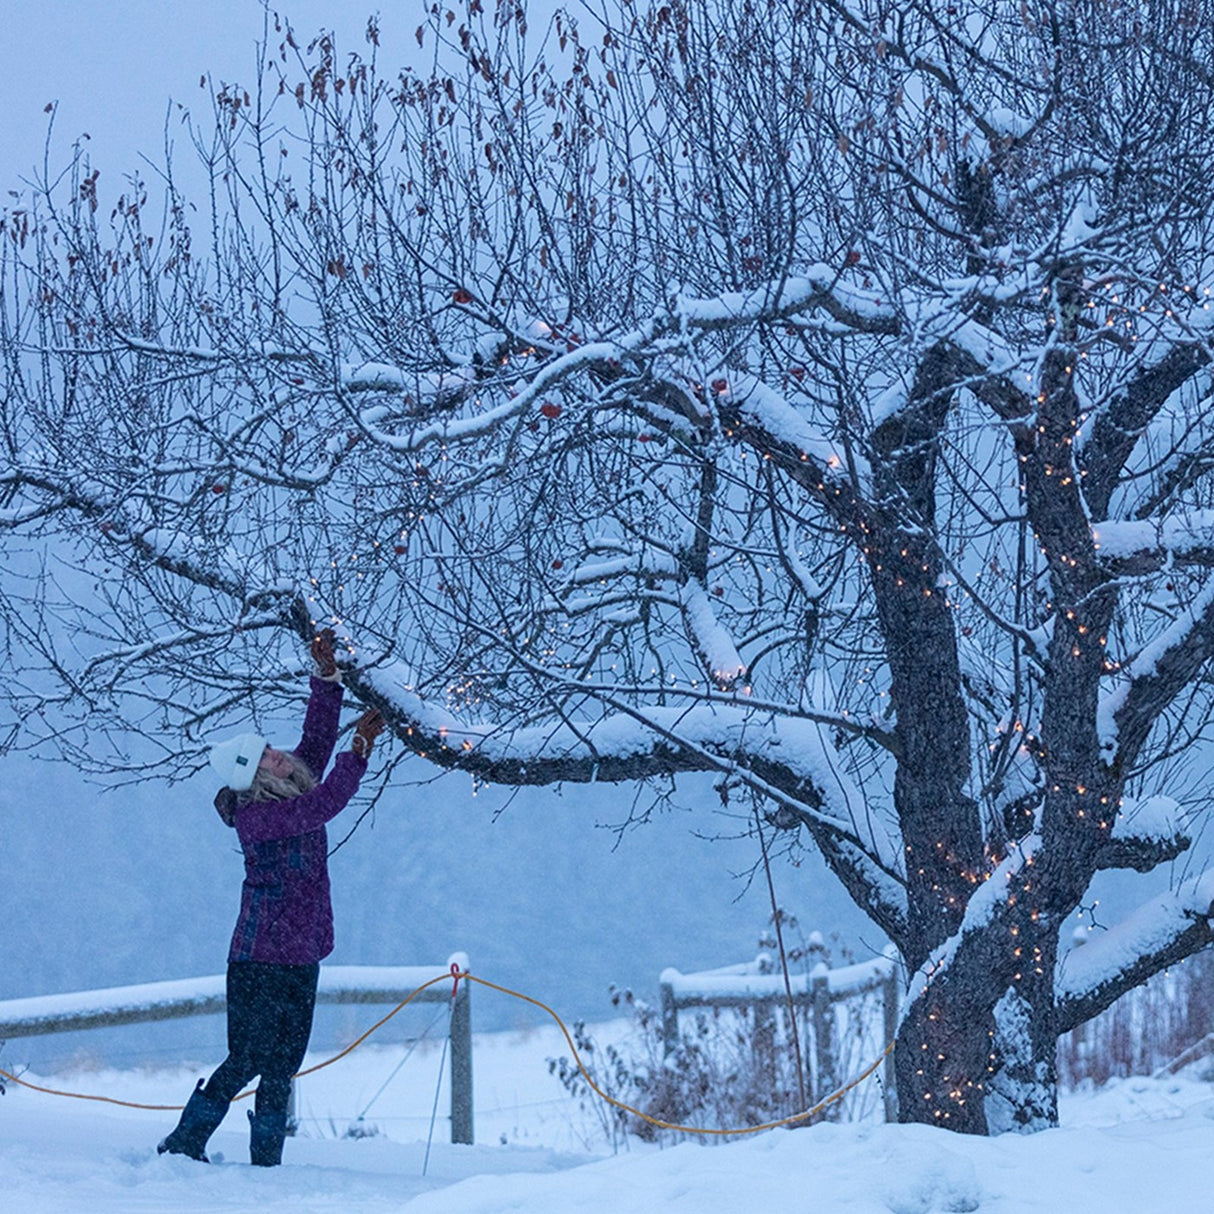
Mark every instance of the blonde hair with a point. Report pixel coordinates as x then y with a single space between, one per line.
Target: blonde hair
267 787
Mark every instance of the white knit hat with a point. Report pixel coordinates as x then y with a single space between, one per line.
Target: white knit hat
235 761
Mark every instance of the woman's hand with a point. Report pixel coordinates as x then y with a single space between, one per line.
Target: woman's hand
367 728
322 654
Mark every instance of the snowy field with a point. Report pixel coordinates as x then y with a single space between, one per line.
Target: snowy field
1140 1146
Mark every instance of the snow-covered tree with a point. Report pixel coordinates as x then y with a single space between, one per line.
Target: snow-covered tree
813 393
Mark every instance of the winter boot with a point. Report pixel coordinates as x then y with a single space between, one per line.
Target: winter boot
199 1120
266 1133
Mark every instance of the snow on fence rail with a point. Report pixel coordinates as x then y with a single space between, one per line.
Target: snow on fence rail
177 999
758 985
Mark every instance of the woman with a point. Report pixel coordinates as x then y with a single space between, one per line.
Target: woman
279 804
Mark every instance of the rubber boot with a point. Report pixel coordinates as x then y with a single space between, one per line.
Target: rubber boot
199 1120
266 1134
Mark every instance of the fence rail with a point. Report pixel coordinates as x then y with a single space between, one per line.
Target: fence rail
339 984
756 985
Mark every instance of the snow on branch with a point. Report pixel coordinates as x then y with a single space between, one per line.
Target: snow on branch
875 887
615 581
1157 674
629 743
1161 933
980 911
712 639
57 496
821 287
769 410
643 561
1115 431
120 660
573 362
1145 834
175 552
1160 539
20 516
994 124
384 377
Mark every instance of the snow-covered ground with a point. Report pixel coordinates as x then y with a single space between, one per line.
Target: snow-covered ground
1140 1146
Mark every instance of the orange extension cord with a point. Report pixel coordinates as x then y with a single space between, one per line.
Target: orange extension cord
462 976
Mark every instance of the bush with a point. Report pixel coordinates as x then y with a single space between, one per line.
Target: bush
723 1072
727 1069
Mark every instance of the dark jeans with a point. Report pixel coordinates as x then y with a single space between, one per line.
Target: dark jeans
269 1022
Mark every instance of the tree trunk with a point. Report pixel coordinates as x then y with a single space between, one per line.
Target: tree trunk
941 1061
1022 1092
976 1050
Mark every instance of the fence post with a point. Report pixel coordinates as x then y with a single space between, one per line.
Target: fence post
889 989
669 1010
670 1015
461 1059
824 1038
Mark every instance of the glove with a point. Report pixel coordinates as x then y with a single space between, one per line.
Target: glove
322 654
367 728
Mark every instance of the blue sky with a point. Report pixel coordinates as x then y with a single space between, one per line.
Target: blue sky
113 68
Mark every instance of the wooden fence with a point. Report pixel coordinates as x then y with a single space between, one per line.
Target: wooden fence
175 1000
759 986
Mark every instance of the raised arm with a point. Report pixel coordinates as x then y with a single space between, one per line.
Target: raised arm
320 725
260 821
324 707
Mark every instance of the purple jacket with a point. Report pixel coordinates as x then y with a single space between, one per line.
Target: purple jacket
286 916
